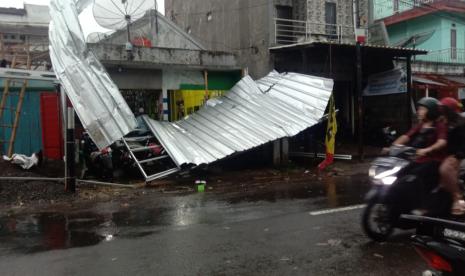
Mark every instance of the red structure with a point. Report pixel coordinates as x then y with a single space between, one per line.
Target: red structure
52 133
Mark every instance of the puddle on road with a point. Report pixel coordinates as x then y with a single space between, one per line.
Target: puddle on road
333 191
51 231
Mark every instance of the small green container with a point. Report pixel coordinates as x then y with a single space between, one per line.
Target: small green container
200 185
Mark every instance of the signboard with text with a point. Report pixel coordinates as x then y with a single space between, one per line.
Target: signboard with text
386 83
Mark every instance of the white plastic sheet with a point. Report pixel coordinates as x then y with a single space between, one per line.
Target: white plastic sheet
24 161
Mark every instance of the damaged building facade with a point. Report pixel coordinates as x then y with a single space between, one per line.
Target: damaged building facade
172 74
250 115
167 76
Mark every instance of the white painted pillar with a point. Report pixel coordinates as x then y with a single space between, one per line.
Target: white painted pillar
166 109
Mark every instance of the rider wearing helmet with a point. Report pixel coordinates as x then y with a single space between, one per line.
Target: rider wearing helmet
429 136
449 169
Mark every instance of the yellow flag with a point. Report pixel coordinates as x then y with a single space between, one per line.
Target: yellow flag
331 130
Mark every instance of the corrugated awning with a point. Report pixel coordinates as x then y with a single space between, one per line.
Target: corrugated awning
250 115
426 81
440 80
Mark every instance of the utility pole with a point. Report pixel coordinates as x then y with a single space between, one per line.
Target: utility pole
358 83
68 121
409 91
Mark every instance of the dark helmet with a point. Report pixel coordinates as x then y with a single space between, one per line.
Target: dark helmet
432 105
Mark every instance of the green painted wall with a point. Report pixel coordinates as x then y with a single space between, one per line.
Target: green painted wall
216 81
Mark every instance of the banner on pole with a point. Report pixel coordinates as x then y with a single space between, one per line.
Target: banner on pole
331 131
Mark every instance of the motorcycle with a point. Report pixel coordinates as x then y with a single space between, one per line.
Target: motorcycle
441 243
116 160
97 162
396 190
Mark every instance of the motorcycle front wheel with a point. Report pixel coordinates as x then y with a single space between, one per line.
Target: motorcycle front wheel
377 221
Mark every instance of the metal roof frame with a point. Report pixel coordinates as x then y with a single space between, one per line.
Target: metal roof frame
388 50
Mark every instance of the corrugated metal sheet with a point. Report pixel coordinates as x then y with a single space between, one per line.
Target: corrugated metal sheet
97 101
251 114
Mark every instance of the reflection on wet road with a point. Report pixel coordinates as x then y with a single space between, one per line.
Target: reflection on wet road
253 230
104 222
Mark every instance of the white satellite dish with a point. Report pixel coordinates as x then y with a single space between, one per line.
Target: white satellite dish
117 14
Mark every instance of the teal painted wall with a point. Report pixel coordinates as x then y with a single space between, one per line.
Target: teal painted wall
404 30
29 133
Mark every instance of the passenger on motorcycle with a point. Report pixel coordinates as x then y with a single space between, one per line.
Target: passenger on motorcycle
449 169
429 136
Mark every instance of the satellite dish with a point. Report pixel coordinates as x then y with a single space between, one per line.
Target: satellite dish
117 14
415 39
96 37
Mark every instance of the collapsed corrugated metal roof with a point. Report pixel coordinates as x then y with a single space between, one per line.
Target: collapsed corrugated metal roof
251 114
97 100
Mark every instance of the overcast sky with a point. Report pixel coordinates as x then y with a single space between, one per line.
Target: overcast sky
87 20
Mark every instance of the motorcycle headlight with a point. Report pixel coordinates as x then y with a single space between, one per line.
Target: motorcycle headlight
383 175
389 180
387 173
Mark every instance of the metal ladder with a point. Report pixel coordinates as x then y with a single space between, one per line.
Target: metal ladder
142 163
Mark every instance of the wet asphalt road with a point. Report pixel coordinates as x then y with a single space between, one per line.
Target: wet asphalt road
269 232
